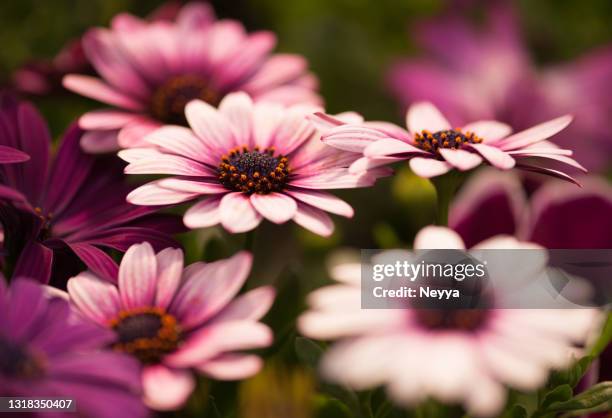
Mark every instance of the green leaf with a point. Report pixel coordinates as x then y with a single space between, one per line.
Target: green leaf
594 397
558 394
604 339
517 411
572 375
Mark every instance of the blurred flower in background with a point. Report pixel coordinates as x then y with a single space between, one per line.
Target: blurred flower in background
173 320
418 353
68 206
486 72
150 71
44 77
48 351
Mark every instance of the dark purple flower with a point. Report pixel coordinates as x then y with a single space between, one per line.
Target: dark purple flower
72 204
485 72
46 350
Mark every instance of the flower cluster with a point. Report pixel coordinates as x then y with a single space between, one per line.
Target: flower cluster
126 289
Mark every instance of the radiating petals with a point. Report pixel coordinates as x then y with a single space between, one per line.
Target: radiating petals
313 219
488 130
495 156
461 159
96 89
535 134
386 147
169 271
231 366
203 214
435 237
324 201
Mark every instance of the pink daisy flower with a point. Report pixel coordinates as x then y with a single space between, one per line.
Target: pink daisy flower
433 147
422 353
151 70
249 161
174 319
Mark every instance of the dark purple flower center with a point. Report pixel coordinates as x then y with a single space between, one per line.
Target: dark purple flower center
45 228
254 171
169 100
449 138
146 333
17 362
452 319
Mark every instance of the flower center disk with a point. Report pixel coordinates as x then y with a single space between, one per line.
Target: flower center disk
452 319
449 138
146 333
169 100
253 171
16 361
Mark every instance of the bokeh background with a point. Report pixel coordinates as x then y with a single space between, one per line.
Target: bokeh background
350 44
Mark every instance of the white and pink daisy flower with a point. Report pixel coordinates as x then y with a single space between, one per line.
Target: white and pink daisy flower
433 147
420 353
151 69
175 320
247 161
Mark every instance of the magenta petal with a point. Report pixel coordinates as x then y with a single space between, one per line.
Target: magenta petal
34 262
424 116
203 214
324 201
495 156
99 142
535 134
169 271
461 159
96 260
210 288
252 305
12 155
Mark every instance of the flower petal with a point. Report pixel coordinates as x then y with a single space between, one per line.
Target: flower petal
438 237
429 167
167 164
96 298
535 134
138 276
211 341
237 213
423 116
325 201
389 146
169 271
461 159
95 88
252 305
210 289
210 126
488 130
238 109
100 142
495 156
231 366
313 219
152 194
166 389
275 207
203 214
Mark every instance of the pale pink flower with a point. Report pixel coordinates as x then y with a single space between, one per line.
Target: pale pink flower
151 69
248 161
464 356
175 320
433 147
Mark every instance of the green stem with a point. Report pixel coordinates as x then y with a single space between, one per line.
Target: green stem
446 186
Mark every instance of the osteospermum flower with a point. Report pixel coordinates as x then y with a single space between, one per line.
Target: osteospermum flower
174 320
249 162
433 147
151 70
47 351
421 353
69 207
